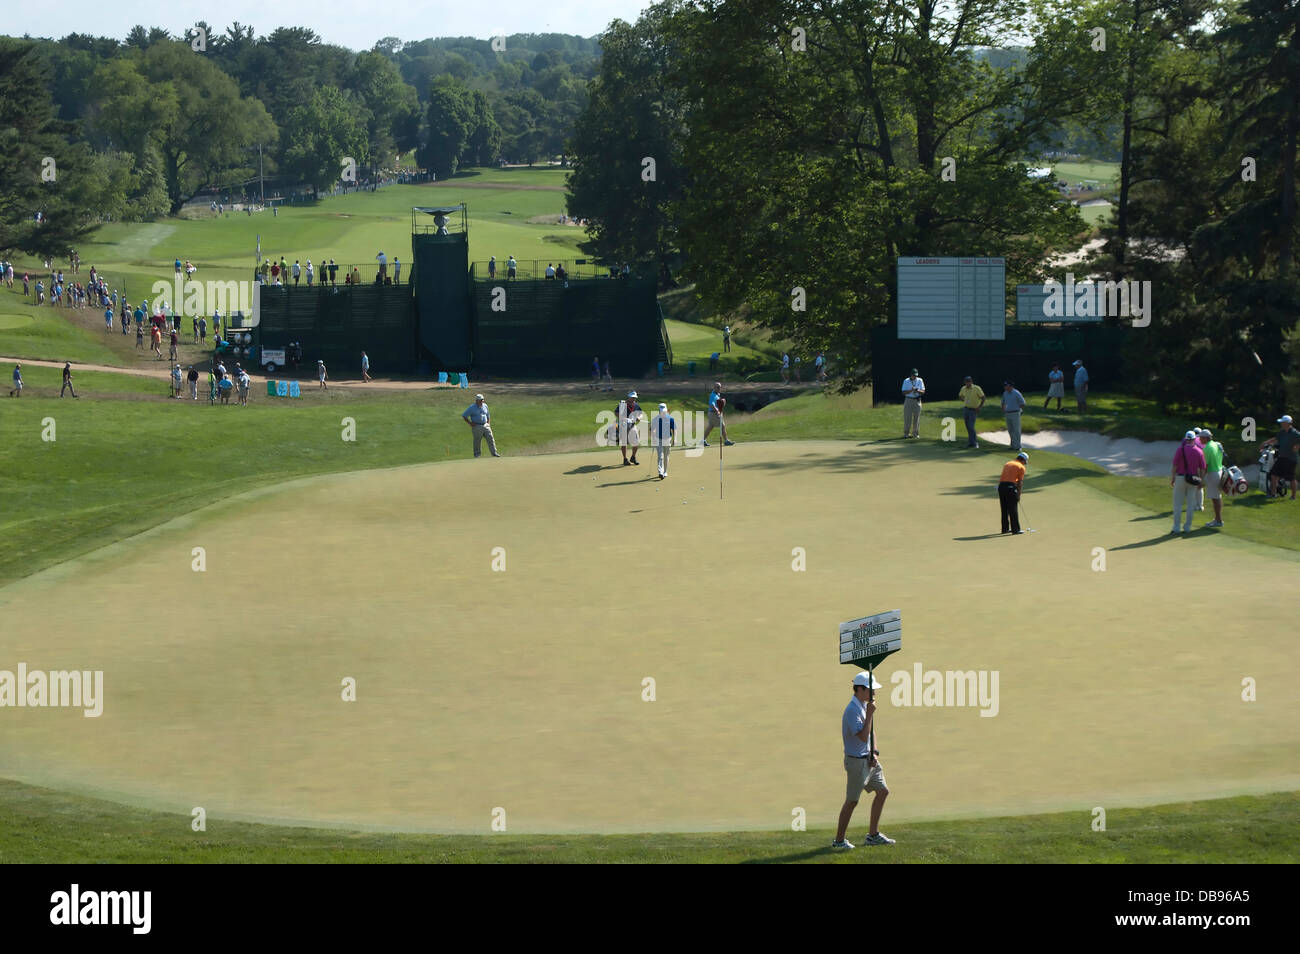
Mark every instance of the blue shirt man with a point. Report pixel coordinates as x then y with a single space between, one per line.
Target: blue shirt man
479 420
1081 386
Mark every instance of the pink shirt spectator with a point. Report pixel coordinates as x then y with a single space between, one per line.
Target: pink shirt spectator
1189 459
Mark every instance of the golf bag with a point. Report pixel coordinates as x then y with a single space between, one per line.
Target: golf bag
1234 481
1266 458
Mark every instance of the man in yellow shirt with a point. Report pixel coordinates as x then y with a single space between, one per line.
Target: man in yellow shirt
972 399
1009 485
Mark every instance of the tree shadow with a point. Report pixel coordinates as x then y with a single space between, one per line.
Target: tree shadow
587 469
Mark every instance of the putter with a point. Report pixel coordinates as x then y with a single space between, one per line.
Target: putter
1020 503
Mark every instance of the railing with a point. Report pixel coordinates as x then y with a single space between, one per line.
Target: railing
663 335
578 268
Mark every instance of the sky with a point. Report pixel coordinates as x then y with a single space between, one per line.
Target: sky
354 25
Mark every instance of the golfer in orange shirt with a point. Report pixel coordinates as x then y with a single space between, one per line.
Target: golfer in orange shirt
1009 485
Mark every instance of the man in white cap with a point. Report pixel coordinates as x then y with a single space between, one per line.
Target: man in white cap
1213 488
629 415
1081 386
864 770
663 430
1188 472
913 392
1284 465
1011 483
479 420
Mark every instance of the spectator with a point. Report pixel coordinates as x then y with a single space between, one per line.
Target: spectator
492 267
365 367
193 378
820 366
397 271
511 266
608 378
717 406
785 368
726 337
479 420
1013 402
1055 386
334 273
595 373
321 375
297 272
17 390
383 264
1081 386
913 391
176 382
67 380
972 399
1287 441
310 273
550 271
713 361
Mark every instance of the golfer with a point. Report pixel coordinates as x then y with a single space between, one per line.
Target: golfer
913 391
18 381
1010 485
67 380
479 420
321 374
865 773
663 429
972 399
1284 465
1188 473
365 367
717 405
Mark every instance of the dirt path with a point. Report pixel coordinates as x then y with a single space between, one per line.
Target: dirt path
671 386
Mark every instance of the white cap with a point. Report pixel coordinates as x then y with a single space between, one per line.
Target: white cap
478 397
868 680
631 394
663 408
1077 363
1205 432
1189 436
1284 419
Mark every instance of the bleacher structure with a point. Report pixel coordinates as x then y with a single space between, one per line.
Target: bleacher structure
448 318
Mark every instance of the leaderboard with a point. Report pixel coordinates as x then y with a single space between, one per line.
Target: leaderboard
952 298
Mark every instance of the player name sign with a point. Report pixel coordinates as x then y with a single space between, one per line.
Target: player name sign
866 642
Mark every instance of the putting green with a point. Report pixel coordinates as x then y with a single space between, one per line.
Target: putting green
523 689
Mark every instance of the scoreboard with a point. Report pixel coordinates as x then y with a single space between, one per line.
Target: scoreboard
952 298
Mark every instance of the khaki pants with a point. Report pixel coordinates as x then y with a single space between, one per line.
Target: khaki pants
1184 495
911 417
481 431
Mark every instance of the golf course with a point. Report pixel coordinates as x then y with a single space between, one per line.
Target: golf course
318 618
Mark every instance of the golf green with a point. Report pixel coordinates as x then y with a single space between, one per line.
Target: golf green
524 687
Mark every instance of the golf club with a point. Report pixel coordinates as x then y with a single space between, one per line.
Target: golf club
1020 502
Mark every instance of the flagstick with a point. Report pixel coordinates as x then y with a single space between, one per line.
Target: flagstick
722 443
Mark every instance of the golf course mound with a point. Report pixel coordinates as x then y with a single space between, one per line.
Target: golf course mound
591 649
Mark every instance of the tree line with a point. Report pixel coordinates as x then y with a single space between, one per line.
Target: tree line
781 144
136 128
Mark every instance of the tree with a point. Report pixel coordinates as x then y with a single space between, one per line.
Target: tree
321 135
392 107
820 155
632 113
448 127
183 105
42 171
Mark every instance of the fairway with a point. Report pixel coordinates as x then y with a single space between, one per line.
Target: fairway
523 689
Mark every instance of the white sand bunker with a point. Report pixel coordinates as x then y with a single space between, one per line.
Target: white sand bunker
1123 455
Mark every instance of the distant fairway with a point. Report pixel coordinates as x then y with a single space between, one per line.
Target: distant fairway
523 689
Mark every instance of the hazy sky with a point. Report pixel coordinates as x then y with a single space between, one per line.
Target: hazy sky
351 24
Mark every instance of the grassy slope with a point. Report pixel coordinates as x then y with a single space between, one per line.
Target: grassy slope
40 825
